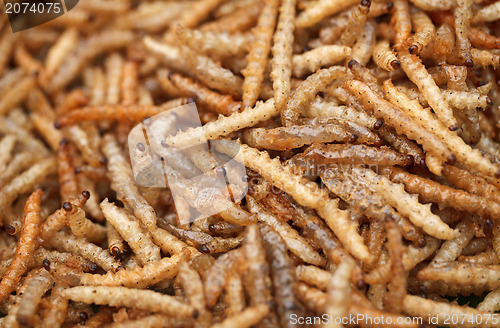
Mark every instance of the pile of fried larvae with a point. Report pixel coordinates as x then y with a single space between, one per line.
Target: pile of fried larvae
369 132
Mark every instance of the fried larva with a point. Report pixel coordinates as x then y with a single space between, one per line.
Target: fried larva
256 277
461 273
444 42
132 233
396 288
402 144
451 249
37 286
7 145
418 306
317 11
26 181
306 92
354 154
424 31
398 120
292 239
193 288
355 23
462 14
122 182
20 162
247 318
384 57
282 276
114 112
138 277
69 243
363 48
239 20
282 50
225 125
211 73
431 191
56 54
259 51
487 14
315 230
319 57
82 227
221 104
401 20
491 302
419 75
488 257
59 218
461 150
55 313
412 257
121 296
86 51
408 205
338 295
17 94
325 110
27 244
306 193
296 136
362 197
234 295
215 278
214 44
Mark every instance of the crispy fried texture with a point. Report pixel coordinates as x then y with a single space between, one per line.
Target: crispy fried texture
392 116
84 52
256 277
418 74
431 191
121 296
27 244
355 23
306 91
282 275
138 277
359 125
355 154
221 104
215 277
396 288
122 182
401 20
384 57
315 12
424 32
414 305
460 149
407 204
296 136
282 50
225 125
352 189
296 243
306 193
116 112
457 273
257 57
132 233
